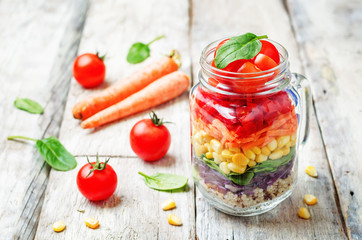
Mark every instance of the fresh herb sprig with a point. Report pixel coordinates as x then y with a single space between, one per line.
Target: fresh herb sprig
164 181
53 152
28 105
140 51
245 46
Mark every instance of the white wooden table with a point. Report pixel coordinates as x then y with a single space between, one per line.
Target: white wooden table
39 40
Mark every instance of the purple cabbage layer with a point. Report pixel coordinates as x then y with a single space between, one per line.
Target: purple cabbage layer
260 180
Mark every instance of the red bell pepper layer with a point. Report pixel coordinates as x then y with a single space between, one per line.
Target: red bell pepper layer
244 123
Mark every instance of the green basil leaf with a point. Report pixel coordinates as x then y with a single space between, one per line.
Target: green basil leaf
55 154
245 46
138 53
28 105
164 181
241 179
272 165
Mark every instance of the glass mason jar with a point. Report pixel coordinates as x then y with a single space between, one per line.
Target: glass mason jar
245 133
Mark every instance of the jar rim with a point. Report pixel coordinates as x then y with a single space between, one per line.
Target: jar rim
276 76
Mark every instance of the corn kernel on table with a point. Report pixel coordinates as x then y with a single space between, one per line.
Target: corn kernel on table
40 40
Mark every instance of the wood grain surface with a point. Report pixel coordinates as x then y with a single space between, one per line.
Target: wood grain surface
134 212
282 222
333 60
40 40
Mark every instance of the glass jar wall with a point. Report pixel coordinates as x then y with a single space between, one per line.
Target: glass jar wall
244 136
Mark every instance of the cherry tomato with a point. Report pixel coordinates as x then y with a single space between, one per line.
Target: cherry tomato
263 62
270 50
150 139
97 180
248 67
89 70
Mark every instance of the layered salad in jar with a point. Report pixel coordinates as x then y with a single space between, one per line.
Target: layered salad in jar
244 134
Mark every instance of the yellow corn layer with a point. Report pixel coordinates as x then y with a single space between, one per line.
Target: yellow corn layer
311 171
174 220
58 226
235 159
168 204
310 199
304 213
92 223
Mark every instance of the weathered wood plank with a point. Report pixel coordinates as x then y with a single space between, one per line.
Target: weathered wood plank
39 40
329 33
134 211
267 17
139 21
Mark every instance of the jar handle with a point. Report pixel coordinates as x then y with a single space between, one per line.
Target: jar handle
301 84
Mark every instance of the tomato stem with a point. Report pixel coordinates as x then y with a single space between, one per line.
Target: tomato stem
98 165
101 57
22 137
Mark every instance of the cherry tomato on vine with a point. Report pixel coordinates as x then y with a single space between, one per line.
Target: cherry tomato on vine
97 180
150 139
89 70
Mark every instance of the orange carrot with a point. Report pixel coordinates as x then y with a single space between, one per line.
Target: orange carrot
160 91
124 88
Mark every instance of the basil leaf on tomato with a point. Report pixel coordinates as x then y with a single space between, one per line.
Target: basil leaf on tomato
245 46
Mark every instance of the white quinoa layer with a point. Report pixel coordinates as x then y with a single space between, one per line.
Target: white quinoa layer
260 195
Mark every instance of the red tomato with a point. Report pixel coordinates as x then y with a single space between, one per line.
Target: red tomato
248 67
100 184
263 62
233 66
150 139
270 50
89 70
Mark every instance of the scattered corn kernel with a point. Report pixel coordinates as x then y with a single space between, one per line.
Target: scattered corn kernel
226 154
310 199
235 150
256 150
276 154
216 145
236 168
224 167
92 223
200 149
217 158
174 220
261 158
304 213
58 226
265 150
209 155
250 154
168 204
272 145
240 159
311 171
282 141
286 151
251 163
